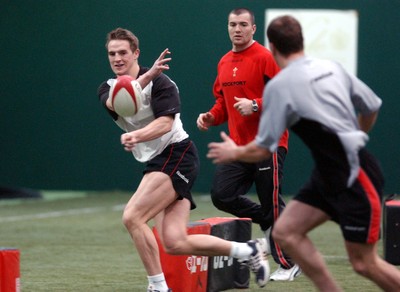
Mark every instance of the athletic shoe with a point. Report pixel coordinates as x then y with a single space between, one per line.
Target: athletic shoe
257 264
151 289
282 274
265 247
265 242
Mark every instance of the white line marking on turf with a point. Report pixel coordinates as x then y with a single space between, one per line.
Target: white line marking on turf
118 207
56 214
335 257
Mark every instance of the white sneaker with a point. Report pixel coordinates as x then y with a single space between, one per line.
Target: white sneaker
282 274
257 264
265 242
150 288
265 247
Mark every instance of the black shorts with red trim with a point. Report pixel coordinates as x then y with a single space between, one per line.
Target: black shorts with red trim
356 209
180 161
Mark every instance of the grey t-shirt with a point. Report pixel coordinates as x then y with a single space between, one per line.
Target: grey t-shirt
319 101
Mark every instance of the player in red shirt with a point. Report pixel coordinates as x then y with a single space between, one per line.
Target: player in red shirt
332 112
238 88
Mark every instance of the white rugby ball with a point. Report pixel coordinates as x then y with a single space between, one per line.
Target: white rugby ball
125 96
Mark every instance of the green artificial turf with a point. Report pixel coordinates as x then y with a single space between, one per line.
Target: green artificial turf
75 241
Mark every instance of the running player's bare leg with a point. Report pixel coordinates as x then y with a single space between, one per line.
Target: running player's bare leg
366 262
172 227
171 218
291 231
154 194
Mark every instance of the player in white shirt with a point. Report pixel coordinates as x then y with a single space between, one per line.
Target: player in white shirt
156 137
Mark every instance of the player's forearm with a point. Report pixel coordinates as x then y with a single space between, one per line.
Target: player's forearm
155 129
145 79
251 153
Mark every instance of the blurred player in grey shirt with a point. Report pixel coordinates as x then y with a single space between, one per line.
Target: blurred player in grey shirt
331 111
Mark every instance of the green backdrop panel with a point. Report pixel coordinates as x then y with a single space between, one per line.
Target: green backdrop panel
55 134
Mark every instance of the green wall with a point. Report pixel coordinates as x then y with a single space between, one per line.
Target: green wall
54 133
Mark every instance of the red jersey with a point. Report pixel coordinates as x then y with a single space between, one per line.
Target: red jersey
243 74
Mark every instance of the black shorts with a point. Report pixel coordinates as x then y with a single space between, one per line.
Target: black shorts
181 162
357 209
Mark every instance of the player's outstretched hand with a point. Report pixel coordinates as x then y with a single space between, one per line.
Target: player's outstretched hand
158 67
160 64
222 152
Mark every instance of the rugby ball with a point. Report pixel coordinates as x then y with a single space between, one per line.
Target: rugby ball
125 96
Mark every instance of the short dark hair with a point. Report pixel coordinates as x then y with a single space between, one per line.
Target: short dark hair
285 33
238 11
123 34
